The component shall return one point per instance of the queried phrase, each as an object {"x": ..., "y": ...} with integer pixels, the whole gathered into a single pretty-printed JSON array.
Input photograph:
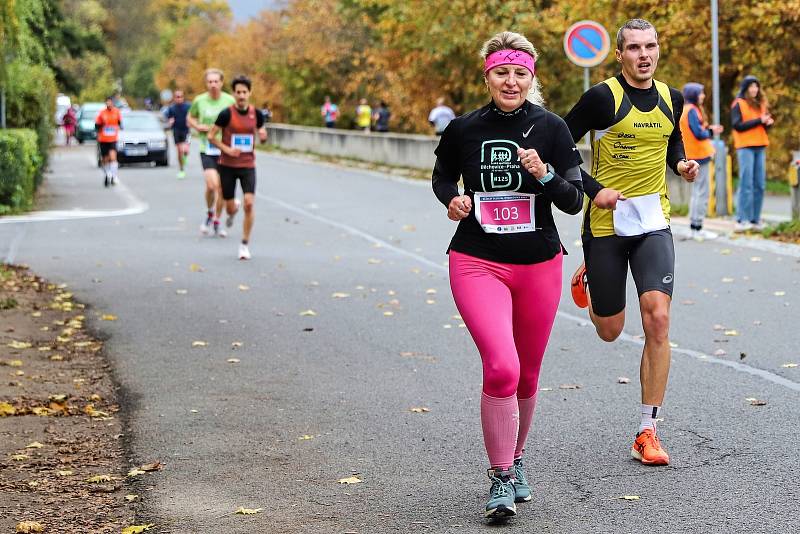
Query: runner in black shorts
[
  {"x": 176, "y": 114},
  {"x": 239, "y": 124},
  {"x": 634, "y": 120}
]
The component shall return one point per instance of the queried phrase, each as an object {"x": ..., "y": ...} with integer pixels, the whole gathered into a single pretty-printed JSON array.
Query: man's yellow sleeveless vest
[{"x": 630, "y": 155}]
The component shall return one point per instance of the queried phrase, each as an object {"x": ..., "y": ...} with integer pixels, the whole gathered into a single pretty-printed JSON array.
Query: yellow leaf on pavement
[
  {"x": 727, "y": 280},
  {"x": 430, "y": 292},
  {"x": 236, "y": 344},
  {"x": 34, "y": 445},
  {"x": 19, "y": 345},
  {"x": 137, "y": 529},
  {"x": 630, "y": 497},
  {"x": 569, "y": 386},
  {"x": 243, "y": 287},
  {"x": 247, "y": 511},
  {"x": 373, "y": 261},
  {"x": 305, "y": 437},
  {"x": 135, "y": 472},
  {"x": 388, "y": 313},
  {"x": 15, "y": 363},
  {"x": 196, "y": 268},
  {"x": 339, "y": 295},
  {"x": 181, "y": 291},
  {"x": 65, "y": 473},
  {"x": 756, "y": 402},
  {"x": 99, "y": 479},
  {"x": 152, "y": 466},
  {"x": 19, "y": 457},
  {"x": 199, "y": 344},
  {"x": 731, "y": 333},
  {"x": 421, "y": 409},
  {"x": 108, "y": 317},
  {"x": 233, "y": 360},
  {"x": 779, "y": 293},
  {"x": 41, "y": 411},
  {"x": 36, "y": 314},
  {"x": 308, "y": 313},
  {"x": 29, "y": 526},
  {"x": 623, "y": 380},
  {"x": 350, "y": 480},
  {"x": 131, "y": 497},
  {"x": 789, "y": 365}
]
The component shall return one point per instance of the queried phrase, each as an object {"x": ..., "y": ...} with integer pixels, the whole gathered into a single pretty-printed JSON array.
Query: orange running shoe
[
  {"x": 647, "y": 449},
  {"x": 579, "y": 287}
]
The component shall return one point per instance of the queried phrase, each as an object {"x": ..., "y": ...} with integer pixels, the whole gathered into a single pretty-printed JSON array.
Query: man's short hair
[
  {"x": 213, "y": 71},
  {"x": 243, "y": 80},
  {"x": 633, "y": 24}
]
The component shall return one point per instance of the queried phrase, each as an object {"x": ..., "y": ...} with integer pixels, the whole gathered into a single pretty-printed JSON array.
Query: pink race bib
[{"x": 505, "y": 212}]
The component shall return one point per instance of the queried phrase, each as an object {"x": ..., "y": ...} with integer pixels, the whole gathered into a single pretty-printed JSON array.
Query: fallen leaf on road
[
  {"x": 36, "y": 314},
  {"x": 193, "y": 411},
  {"x": 65, "y": 473},
  {"x": 34, "y": 445},
  {"x": 719, "y": 327},
  {"x": 630, "y": 497},
  {"x": 98, "y": 479},
  {"x": 388, "y": 313},
  {"x": 340, "y": 295},
  {"x": 196, "y": 268},
  {"x": 756, "y": 402},
  {"x": 725, "y": 252},
  {"x": 137, "y": 529},
  {"x": 91, "y": 412},
  {"x": 152, "y": 466},
  {"x": 720, "y": 352},
  {"x": 742, "y": 355},
  {"x": 727, "y": 280},
  {"x": 755, "y": 258},
  {"x": 757, "y": 322},
  {"x": 430, "y": 301},
  {"x": 731, "y": 333},
  {"x": 789, "y": 365},
  {"x": 623, "y": 380},
  {"x": 40, "y": 411},
  {"x": 545, "y": 389},
  {"x": 108, "y": 317},
  {"x": 373, "y": 261},
  {"x": 687, "y": 302},
  {"x": 247, "y": 511},
  {"x": 181, "y": 291},
  {"x": 673, "y": 345},
  {"x": 308, "y": 313},
  {"x": 569, "y": 386},
  {"x": 447, "y": 326},
  {"x": 131, "y": 497},
  {"x": 14, "y": 363},
  {"x": 30, "y": 526},
  {"x": 409, "y": 228},
  {"x": 305, "y": 437},
  {"x": 236, "y": 344},
  {"x": 135, "y": 472},
  {"x": 243, "y": 287},
  {"x": 199, "y": 344},
  {"x": 430, "y": 292},
  {"x": 779, "y": 293},
  {"x": 233, "y": 360},
  {"x": 421, "y": 409},
  {"x": 167, "y": 279},
  {"x": 350, "y": 480},
  {"x": 19, "y": 457},
  {"x": 19, "y": 345}
]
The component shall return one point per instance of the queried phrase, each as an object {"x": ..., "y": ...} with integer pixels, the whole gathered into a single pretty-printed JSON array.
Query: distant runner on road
[
  {"x": 239, "y": 124},
  {"x": 176, "y": 114},
  {"x": 202, "y": 114},
  {"x": 108, "y": 124},
  {"x": 635, "y": 121}
]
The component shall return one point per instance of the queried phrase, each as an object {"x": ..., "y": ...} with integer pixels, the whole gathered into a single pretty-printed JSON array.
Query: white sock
[
  {"x": 107, "y": 169},
  {"x": 114, "y": 166},
  {"x": 649, "y": 415}
]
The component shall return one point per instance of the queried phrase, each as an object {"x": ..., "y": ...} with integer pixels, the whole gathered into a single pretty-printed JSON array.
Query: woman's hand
[
  {"x": 532, "y": 162},
  {"x": 459, "y": 207}
]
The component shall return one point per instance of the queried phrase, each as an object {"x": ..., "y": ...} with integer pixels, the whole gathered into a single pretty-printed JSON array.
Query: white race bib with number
[
  {"x": 639, "y": 215},
  {"x": 504, "y": 212},
  {"x": 243, "y": 142},
  {"x": 109, "y": 130},
  {"x": 212, "y": 150}
]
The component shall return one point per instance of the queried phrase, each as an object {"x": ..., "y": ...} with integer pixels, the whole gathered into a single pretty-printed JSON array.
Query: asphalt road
[{"x": 318, "y": 398}]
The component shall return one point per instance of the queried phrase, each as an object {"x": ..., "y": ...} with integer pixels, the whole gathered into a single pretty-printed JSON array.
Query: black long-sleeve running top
[
  {"x": 595, "y": 111},
  {"x": 481, "y": 147}
]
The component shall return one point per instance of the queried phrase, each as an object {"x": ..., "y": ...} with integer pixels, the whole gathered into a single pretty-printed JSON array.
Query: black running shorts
[
  {"x": 105, "y": 148},
  {"x": 208, "y": 162},
  {"x": 228, "y": 177},
  {"x": 180, "y": 136},
  {"x": 652, "y": 262}
]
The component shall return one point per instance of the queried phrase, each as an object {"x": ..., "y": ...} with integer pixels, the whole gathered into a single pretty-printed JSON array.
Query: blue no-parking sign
[{"x": 587, "y": 43}]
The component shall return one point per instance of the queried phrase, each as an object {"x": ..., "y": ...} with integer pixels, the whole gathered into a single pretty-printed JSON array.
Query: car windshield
[
  {"x": 90, "y": 112},
  {"x": 140, "y": 122}
]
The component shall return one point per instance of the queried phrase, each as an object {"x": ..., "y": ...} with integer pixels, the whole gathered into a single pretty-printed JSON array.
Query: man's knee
[{"x": 248, "y": 203}]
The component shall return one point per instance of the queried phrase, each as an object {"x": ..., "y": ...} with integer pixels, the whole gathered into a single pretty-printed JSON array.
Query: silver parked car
[{"x": 142, "y": 139}]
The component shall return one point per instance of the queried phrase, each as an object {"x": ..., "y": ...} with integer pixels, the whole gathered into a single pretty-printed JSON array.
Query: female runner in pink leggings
[{"x": 516, "y": 159}]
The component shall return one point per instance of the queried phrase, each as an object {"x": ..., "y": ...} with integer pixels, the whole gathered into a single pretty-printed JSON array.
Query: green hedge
[{"x": 20, "y": 169}]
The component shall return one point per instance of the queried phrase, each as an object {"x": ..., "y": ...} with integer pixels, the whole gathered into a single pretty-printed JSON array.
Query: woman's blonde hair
[{"x": 515, "y": 41}]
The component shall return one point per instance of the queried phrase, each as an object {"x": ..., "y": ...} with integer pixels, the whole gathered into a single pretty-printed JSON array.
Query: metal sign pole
[
  {"x": 720, "y": 172},
  {"x": 586, "y": 83}
]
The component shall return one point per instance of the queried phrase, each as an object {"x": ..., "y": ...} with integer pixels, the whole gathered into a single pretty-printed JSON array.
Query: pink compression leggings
[{"x": 509, "y": 309}]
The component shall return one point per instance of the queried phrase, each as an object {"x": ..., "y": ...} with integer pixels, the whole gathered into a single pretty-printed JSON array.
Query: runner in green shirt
[{"x": 202, "y": 115}]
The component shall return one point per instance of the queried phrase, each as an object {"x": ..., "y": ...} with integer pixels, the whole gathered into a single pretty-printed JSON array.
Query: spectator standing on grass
[
  {"x": 381, "y": 117},
  {"x": 329, "y": 112},
  {"x": 750, "y": 119},
  {"x": 697, "y": 135},
  {"x": 440, "y": 116}
]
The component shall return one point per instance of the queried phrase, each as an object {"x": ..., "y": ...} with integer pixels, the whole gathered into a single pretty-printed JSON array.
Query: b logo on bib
[{"x": 500, "y": 170}]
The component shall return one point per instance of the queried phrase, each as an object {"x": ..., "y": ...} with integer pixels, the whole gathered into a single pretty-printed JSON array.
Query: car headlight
[{"x": 161, "y": 143}]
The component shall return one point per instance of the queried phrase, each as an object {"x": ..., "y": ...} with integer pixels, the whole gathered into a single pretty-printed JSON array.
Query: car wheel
[
  {"x": 162, "y": 163},
  {"x": 80, "y": 140}
]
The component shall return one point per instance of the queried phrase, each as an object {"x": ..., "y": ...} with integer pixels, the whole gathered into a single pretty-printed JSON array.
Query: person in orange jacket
[
  {"x": 108, "y": 124},
  {"x": 750, "y": 119},
  {"x": 697, "y": 135}
]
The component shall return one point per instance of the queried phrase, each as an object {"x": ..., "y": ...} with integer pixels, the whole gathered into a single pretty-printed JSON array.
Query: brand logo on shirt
[
  {"x": 500, "y": 167},
  {"x": 525, "y": 134}
]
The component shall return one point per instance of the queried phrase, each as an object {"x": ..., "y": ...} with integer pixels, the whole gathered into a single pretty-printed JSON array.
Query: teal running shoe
[
  {"x": 522, "y": 491},
  {"x": 501, "y": 495}
]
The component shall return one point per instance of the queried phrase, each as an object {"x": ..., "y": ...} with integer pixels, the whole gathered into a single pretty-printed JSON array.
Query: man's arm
[
  {"x": 675, "y": 152},
  {"x": 192, "y": 116},
  {"x": 261, "y": 128},
  {"x": 696, "y": 127}
]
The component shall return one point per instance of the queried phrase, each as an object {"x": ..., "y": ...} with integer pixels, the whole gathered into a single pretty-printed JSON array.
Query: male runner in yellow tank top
[{"x": 635, "y": 135}]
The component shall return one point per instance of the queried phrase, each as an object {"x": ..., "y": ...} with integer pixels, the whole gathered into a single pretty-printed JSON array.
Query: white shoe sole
[{"x": 501, "y": 511}]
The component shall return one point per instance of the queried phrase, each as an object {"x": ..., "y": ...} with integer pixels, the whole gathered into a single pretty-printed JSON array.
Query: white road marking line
[{"x": 700, "y": 356}]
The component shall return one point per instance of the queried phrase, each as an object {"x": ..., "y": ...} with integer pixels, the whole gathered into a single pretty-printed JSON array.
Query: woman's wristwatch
[{"x": 548, "y": 176}]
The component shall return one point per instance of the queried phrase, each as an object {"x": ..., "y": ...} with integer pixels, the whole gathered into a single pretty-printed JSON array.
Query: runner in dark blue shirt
[{"x": 176, "y": 114}]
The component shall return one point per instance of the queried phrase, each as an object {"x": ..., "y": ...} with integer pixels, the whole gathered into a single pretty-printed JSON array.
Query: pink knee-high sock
[
  {"x": 500, "y": 422},
  {"x": 526, "y": 407}
]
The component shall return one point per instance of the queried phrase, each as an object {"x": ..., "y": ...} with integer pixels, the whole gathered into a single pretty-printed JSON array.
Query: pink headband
[{"x": 509, "y": 57}]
